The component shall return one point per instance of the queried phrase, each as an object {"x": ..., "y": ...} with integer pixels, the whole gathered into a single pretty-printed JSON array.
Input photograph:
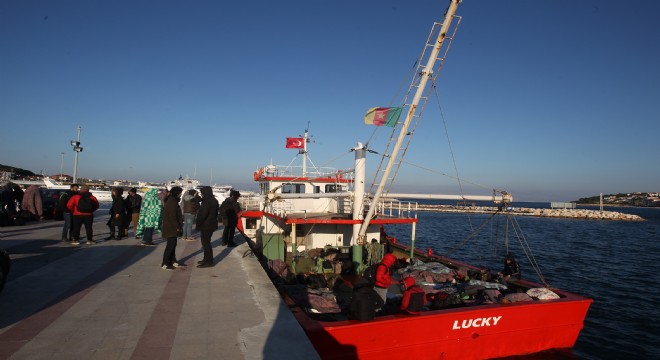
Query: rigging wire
[
  {"x": 451, "y": 150},
  {"x": 413, "y": 76},
  {"x": 438, "y": 172},
  {"x": 471, "y": 235},
  {"x": 527, "y": 249}
]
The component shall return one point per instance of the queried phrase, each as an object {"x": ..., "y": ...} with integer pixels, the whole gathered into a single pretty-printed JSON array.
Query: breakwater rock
[{"x": 553, "y": 213}]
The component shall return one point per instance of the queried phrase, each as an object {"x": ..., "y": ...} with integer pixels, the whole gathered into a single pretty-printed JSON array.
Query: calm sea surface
[{"x": 615, "y": 263}]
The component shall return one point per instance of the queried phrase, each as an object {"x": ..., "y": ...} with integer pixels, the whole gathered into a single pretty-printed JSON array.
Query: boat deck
[{"x": 112, "y": 300}]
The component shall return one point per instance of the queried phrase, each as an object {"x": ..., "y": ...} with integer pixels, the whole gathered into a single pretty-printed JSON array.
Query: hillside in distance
[{"x": 646, "y": 199}]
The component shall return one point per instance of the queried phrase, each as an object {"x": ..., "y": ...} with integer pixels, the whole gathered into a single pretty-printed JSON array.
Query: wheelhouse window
[
  {"x": 332, "y": 188},
  {"x": 293, "y": 188}
]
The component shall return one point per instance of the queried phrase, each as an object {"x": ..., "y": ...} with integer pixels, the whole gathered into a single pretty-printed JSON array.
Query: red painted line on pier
[
  {"x": 158, "y": 336},
  {"x": 25, "y": 330}
]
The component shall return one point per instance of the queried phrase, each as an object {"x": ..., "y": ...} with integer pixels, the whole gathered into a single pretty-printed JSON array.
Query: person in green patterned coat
[{"x": 150, "y": 217}]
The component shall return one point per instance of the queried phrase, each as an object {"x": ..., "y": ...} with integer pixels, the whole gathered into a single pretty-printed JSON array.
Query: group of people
[
  {"x": 159, "y": 211},
  {"x": 204, "y": 212},
  {"x": 370, "y": 297},
  {"x": 18, "y": 206},
  {"x": 123, "y": 213}
]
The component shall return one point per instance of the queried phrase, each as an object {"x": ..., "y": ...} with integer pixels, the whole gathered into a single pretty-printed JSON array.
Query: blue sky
[{"x": 549, "y": 100}]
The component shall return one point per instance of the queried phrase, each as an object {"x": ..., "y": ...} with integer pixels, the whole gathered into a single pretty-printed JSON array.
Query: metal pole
[
  {"x": 75, "y": 161},
  {"x": 61, "y": 164},
  {"x": 304, "y": 166}
]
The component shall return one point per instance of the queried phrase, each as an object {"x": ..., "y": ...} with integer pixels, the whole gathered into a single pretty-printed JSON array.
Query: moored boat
[
  {"x": 307, "y": 214},
  {"x": 100, "y": 194}
]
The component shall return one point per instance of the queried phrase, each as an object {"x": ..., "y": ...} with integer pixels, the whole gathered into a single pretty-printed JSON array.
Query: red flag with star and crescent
[{"x": 295, "y": 143}]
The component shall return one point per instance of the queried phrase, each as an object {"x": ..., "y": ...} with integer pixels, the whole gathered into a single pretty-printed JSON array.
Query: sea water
[{"x": 616, "y": 263}]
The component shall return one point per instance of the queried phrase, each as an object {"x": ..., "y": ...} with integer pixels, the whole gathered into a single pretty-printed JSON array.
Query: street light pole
[
  {"x": 76, "y": 148},
  {"x": 61, "y": 164}
]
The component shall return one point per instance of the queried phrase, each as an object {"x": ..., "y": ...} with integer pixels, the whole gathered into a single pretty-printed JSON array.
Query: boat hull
[
  {"x": 463, "y": 333},
  {"x": 469, "y": 332}
]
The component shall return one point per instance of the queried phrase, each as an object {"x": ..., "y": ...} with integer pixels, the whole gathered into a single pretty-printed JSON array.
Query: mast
[
  {"x": 358, "y": 189},
  {"x": 426, "y": 74},
  {"x": 304, "y": 154}
]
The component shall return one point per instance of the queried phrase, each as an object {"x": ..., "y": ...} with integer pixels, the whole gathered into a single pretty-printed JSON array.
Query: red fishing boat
[{"x": 303, "y": 210}]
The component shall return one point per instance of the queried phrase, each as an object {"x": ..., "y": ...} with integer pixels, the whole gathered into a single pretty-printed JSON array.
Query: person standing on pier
[
  {"x": 172, "y": 227},
  {"x": 150, "y": 217},
  {"x": 207, "y": 223},
  {"x": 67, "y": 215},
  {"x": 229, "y": 211},
  {"x": 134, "y": 200},
  {"x": 190, "y": 206},
  {"x": 83, "y": 205},
  {"x": 117, "y": 214},
  {"x": 32, "y": 202}
]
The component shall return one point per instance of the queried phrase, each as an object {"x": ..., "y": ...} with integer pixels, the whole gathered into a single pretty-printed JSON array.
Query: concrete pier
[{"x": 111, "y": 300}]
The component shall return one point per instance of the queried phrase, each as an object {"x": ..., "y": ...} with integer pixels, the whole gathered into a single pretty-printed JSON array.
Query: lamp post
[
  {"x": 61, "y": 164},
  {"x": 76, "y": 148}
]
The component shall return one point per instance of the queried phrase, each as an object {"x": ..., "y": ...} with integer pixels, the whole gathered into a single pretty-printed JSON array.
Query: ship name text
[{"x": 478, "y": 322}]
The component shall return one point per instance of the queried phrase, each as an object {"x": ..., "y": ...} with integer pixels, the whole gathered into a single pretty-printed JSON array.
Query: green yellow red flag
[{"x": 380, "y": 116}]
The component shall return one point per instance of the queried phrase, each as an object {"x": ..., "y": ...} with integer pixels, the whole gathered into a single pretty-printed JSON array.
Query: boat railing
[
  {"x": 280, "y": 208},
  {"x": 297, "y": 171},
  {"x": 397, "y": 208},
  {"x": 251, "y": 202}
]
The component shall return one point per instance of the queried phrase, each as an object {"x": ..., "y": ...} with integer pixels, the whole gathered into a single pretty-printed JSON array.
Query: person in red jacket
[
  {"x": 413, "y": 296},
  {"x": 383, "y": 276},
  {"x": 82, "y": 205}
]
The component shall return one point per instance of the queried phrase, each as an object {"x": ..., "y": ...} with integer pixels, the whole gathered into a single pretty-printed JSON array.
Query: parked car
[
  {"x": 5, "y": 264},
  {"x": 49, "y": 200}
]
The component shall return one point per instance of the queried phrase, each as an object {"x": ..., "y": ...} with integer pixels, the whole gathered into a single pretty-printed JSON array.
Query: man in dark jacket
[
  {"x": 134, "y": 201},
  {"x": 229, "y": 211},
  {"x": 172, "y": 227},
  {"x": 207, "y": 223},
  {"x": 67, "y": 215},
  {"x": 511, "y": 269},
  {"x": 117, "y": 215},
  {"x": 365, "y": 301}
]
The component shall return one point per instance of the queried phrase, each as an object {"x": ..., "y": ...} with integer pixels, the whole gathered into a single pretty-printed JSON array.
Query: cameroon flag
[{"x": 380, "y": 116}]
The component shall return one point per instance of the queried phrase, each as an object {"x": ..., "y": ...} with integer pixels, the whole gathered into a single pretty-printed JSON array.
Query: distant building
[
  {"x": 62, "y": 178},
  {"x": 562, "y": 205}
]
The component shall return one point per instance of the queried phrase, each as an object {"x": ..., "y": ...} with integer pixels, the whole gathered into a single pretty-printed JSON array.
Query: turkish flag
[{"x": 295, "y": 143}]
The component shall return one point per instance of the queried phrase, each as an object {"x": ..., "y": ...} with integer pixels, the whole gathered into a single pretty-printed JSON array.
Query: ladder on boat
[
  {"x": 415, "y": 83},
  {"x": 420, "y": 80}
]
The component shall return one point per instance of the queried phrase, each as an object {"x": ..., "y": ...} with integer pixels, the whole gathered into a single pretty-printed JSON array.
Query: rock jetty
[{"x": 521, "y": 211}]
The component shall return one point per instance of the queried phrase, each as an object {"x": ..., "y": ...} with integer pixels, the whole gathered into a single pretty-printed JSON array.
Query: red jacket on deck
[
  {"x": 383, "y": 276},
  {"x": 413, "y": 297},
  {"x": 72, "y": 205}
]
